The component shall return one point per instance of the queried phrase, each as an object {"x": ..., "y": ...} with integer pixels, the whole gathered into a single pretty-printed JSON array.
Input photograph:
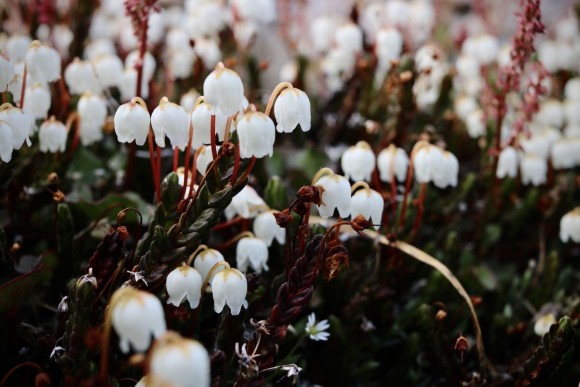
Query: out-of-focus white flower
[
  {"x": 208, "y": 50},
  {"x": 266, "y": 228},
  {"x": 322, "y": 32},
  {"x": 246, "y": 203},
  {"x": 262, "y": 11},
  {"x": 229, "y": 287},
  {"x": 317, "y": 330},
  {"x": 447, "y": 174},
  {"x": 132, "y": 122},
  {"x": 349, "y": 37},
  {"x": 358, "y": 162},
  {"x": 99, "y": 47},
  {"x": 80, "y": 77},
  {"x": 181, "y": 61},
  {"x": 204, "y": 158},
  {"x": 175, "y": 361},
  {"x": 6, "y": 72},
  {"x": 464, "y": 105},
  {"x": 368, "y": 203},
  {"x": 149, "y": 64},
  {"x": 543, "y": 324},
  {"x": 62, "y": 37},
  {"x": 128, "y": 85},
  {"x": 474, "y": 123},
  {"x": 421, "y": 21},
  {"x": 336, "y": 195},
  {"x": 533, "y": 169},
  {"x": 538, "y": 144},
  {"x": 184, "y": 283},
  {"x": 252, "y": 252},
  {"x": 201, "y": 121},
  {"x": 388, "y": 47},
  {"x": 206, "y": 260},
  {"x": 169, "y": 119},
  {"x": 256, "y": 135},
  {"x": 428, "y": 162},
  {"x": 572, "y": 89},
  {"x": 109, "y": 70},
  {"x": 570, "y": 226},
  {"x": 19, "y": 122},
  {"x": 37, "y": 101},
  {"x": 337, "y": 66},
  {"x": 507, "y": 164},
  {"x": 572, "y": 112},
  {"x": 92, "y": 110},
  {"x": 292, "y": 108},
  {"x": 6, "y": 142},
  {"x": 565, "y": 153},
  {"x": 392, "y": 161},
  {"x": 551, "y": 113},
  {"x": 42, "y": 63},
  {"x": 484, "y": 48},
  {"x": 372, "y": 19},
  {"x": 136, "y": 315},
  {"x": 188, "y": 100},
  {"x": 52, "y": 136},
  {"x": 397, "y": 13},
  {"x": 223, "y": 89},
  {"x": 15, "y": 87},
  {"x": 17, "y": 46}
]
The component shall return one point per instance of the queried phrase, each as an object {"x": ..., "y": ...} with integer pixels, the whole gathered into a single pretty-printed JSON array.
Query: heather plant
[{"x": 164, "y": 222}]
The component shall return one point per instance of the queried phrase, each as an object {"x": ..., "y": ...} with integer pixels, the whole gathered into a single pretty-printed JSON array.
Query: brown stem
[
  {"x": 187, "y": 156},
  {"x": 16, "y": 368},
  {"x": 212, "y": 133},
  {"x": 23, "y": 89},
  {"x": 175, "y": 158}
]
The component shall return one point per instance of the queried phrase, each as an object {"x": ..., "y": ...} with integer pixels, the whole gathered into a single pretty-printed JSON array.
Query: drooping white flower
[
  {"x": 206, "y": 260},
  {"x": 349, "y": 37},
  {"x": 37, "y": 100},
  {"x": 246, "y": 203},
  {"x": 572, "y": 89},
  {"x": 52, "y": 136},
  {"x": 208, "y": 50},
  {"x": 428, "y": 162},
  {"x": 136, "y": 315},
  {"x": 188, "y": 100},
  {"x": 368, "y": 203},
  {"x": 551, "y": 113},
  {"x": 175, "y": 361},
  {"x": 256, "y": 135},
  {"x": 149, "y": 64},
  {"x": 204, "y": 158},
  {"x": 201, "y": 121},
  {"x": 565, "y": 153},
  {"x": 80, "y": 77},
  {"x": 336, "y": 195},
  {"x": 464, "y": 105},
  {"x": 392, "y": 161},
  {"x": 570, "y": 226},
  {"x": 6, "y": 146},
  {"x": 181, "y": 61},
  {"x": 62, "y": 37},
  {"x": 17, "y": 46},
  {"x": 292, "y": 108},
  {"x": 397, "y": 13},
  {"x": 572, "y": 111},
  {"x": 507, "y": 163},
  {"x": 337, "y": 66},
  {"x": 169, "y": 119},
  {"x": 184, "y": 283},
  {"x": 317, "y": 330},
  {"x": 388, "y": 48},
  {"x": 6, "y": 72},
  {"x": 358, "y": 162},
  {"x": 128, "y": 85},
  {"x": 42, "y": 63},
  {"x": 109, "y": 70},
  {"x": 223, "y": 89},
  {"x": 322, "y": 32},
  {"x": 252, "y": 252},
  {"x": 15, "y": 87},
  {"x": 371, "y": 20},
  {"x": 229, "y": 287},
  {"x": 474, "y": 123},
  {"x": 421, "y": 21},
  {"x": 543, "y": 324},
  {"x": 92, "y": 110},
  {"x": 484, "y": 48},
  {"x": 447, "y": 174},
  {"x": 132, "y": 122},
  {"x": 533, "y": 169},
  {"x": 266, "y": 228},
  {"x": 19, "y": 122}
]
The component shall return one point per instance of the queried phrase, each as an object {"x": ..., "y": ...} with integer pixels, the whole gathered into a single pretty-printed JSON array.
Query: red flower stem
[
  {"x": 17, "y": 367},
  {"x": 250, "y": 167},
  {"x": 153, "y": 163},
  {"x": 194, "y": 172},
  {"x": 186, "y": 163},
  {"x": 23, "y": 89},
  {"x": 158, "y": 173},
  {"x": 212, "y": 134},
  {"x": 232, "y": 222},
  {"x": 175, "y": 158}
]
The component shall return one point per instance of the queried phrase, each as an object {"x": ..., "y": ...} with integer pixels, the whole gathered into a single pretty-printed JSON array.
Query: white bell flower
[
  {"x": 176, "y": 38},
  {"x": 368, "y": 203},
  {"x": 358, "y": 162},
  {"x": 204, "y": 158},
  {"x": 292, "y": 108},
  {"x": 99, "y": 47},
  {"x": 252, "y": 252},
  {"x": 169, "y": 119},
  {"x": 132, "y": 122},
  {"x": 266, "y": 228},
  {"x": 474, "y": 123},
  {"x": 464, "y": 105},
  {"x": 136, "y": 315},
  {"x": 572, "y": 112},
  {"x": 538, "y": 144},
  {"x": 322, "y": 31},
  {"x": 349, "y": 37},
  {"x": 392, "y": 161},
  {"x": 184, "y": 283},
  {"x": 336, "y": 195},
  {"x": 201, "y": 121},
  {"x": 6, "y": 146},
  {"x": 570, "y": 226},
  {"x": 572, "y": 89},
  {"x": 42, "y": 63},
  {"x": 37, "y": 101},
  {"x": 206, "y": 260},
  {"x": 188, "y": 100},
  {"x": 17, "y": 46},
  {"x": 128, "y": 85},
  {"x": 507, "y": 163},
  {"x": 208, "y": 50},
  {"x": 337, "y": 66},
  {"x": 19, "y": 122},
  {"x": 62, "y": 37},
  {"x": 246, "y": 203},
  {"x": 421, "y": 21},
  {"x": 551, "y": 113},
  {"x": 229, "y": 287},
  {"x": 52, "y": 136},
  {"x": 388, "y": 48},
  {"x": 447, "y": 174},
  {"x": 80, "y": 77},
  {"x": 92, "y": 110},
  {"x": 6, "y": 72},
  {"x": 534, "y": 169},
  {"x": 175, "y": 361},
  {"x": 149, "y": 64},
  {"x": 427, "y": 162},
  {"x": 256, "y": 135},
  {"x": 565, "y": 153},
  {"x": 15, "y": 87},
  {"x": 181, "y": 62},
  {"x": 109, "y": 70},
  {"x": 224, "y": 90},
  {"x": 484, "y": 48}
]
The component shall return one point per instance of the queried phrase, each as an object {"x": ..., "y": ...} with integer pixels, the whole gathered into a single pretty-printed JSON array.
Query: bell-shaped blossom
[
  {"x": 181, "y": 62},
  {"x": 6, "y": 72},
  {"x": 175, "y": 361},
  {"x": 108, "y": 69},
  {"x": 551, "y": 114},
  {"x": 252, "y": 252},
  {"x": 368, "y": 203},
  {"x": 37, "y": 100},
  {"x": 6, "y": 146},
  {"x": 132, "y": 122},
  {"x": 42, "y": 63},
  {"x": 572, "y": 112},
  {"x": 336, "y": 195},
  {"x": 246, "y": 203},
  {"x": 371, "y": 20},
  {"x": 533, "y": 169},
  {"x": 15, "y": 87},
  {"x": 169, "y": 119},
  {"x": 19, "y": 122},
  {"x": 538, "y": 144},
  {"x": 292, "y": 108},
  {"x": 149, "y": 63},
  {"x": 201, "y": 121},
  {"x": 92, "y": 110},
  {"x": 565, "y": 153},
  {"x": 464, "y": 105},
  {"x": 52, "y": 136},
  {"x": 206, "y": 260},
  {"x": 358, "y": 162},
  {"x": 392, "y": 161},
  {"x": 570, "y": 226},
  {"x": 204, "y": 158},
  {"x": 136, "y": 316},
  {"x": 337, "y": 66},
  {"x": 128, "y": 85},
  {"x": 572, "y": 89},
  {"x": 388, "y": 48},
  {"x": 62, "y": 37},
  {"x": 474, "y": 123},
  {"x": 17, "y": 46},
  {"x": 208, "y": 50},
  {"x": 184, "y": 283},
  {"x": 349, "y": 37},
  {"x": 507, "y": 163},
  {"x": 256, "y": 135},
  {"x": 80, "y": 77},
  {"x": 428, "y": 162},
  {"x": 229, "y": 287},
  {"x": 266, "y": 228},
  {"x": 223, "y": 89},
  {"x": 447, "y": 174}
]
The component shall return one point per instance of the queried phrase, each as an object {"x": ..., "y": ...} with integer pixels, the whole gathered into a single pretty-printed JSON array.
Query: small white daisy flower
[{"x": 316, "y": 330}]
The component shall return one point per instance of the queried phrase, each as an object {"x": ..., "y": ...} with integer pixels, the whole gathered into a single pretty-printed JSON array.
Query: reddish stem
[
  {"x": 175, "y": 158},
  {"x": 153, "y": 163},
  {"x": 23, "y": 89},
  {"x": 15, "y": 368},
  {"x": 212, "y": 133},
  {"x": 186, "y": 163},
  {"x": 238, "y": 219}
]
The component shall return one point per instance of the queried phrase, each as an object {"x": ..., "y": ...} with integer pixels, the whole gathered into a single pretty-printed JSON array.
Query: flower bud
[
  {"x": 252, "y": 252},
  {"x": 292, "y": 108},
  {"x": 132, "y": 122},
  {"x": 169, "y": 119},
  {"x": 229, "y": 287},
  {"x": 223, "y": 89},
  {"x": 266, "y": 228},
  {"x": 256, "y": 135},
  {"x": 42, "y": 63},
  {"x": 358, "y": 162},
  {"x": 184, "y": 283},
  {"x": 52, "y": 136}
]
